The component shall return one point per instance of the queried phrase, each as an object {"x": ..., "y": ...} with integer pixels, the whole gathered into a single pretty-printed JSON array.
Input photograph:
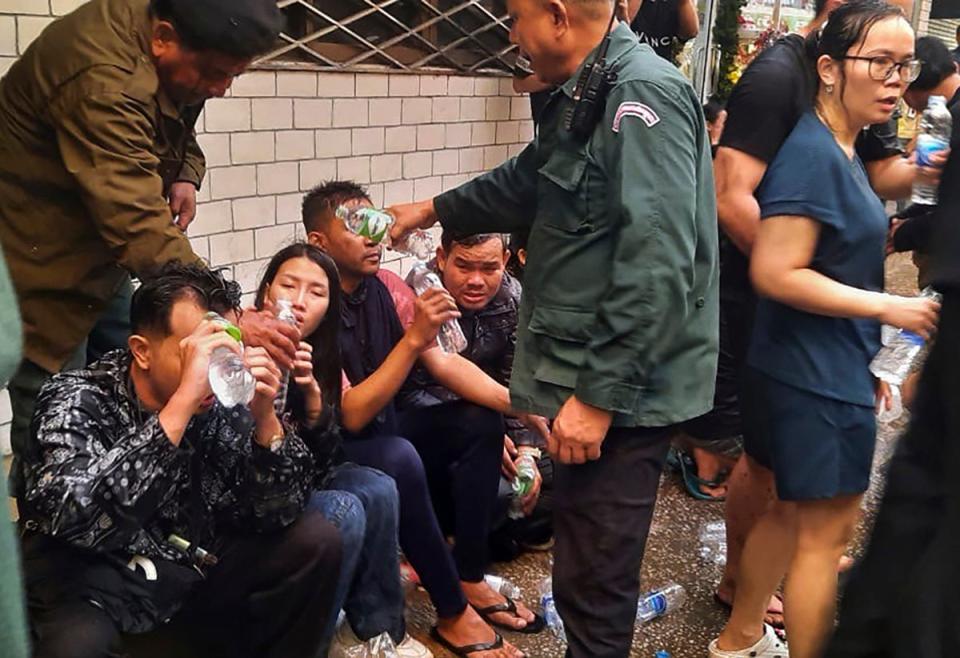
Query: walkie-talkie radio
[{"x": 590, "y": 94}]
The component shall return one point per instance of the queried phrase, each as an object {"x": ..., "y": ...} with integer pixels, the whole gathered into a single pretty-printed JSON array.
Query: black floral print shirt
[{"x": 104, "y": 476}]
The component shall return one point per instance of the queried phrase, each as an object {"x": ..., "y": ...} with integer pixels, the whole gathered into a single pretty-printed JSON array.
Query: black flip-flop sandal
[
  {"x": 510, "y": 606},
  {"x": 467, "y": 649}
]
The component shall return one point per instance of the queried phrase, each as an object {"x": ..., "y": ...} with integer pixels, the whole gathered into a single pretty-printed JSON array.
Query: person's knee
[
  {"x": 346, "y": 512},
  {"x": 315, "y": 539},
  {"x": 378, "y": 494},
  {"x": 403, "y": 463}
]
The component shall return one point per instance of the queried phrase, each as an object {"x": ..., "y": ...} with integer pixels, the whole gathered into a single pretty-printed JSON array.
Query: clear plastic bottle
[
  {"x": 503, "y": 586},
  {"x": 230, "y": 379},
  {"x": 419, "y": 244},
  {"x": 549, "y": 609},
  {"x": 896, "y": 359},
  {"x": 660, "y": 602},
  {"x": 451, "y": 337},
  {"x": 284, "y": 314},
  {"x": 936, "y": 128},
  {"x": 523, "y": 482},
  {"x": 370, "y": 223},
  {"x": 713, "y": 543}
]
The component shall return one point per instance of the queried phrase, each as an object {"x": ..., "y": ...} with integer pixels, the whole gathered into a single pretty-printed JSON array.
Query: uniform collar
[
  {"x": 144, "y": 32},
  {"x": 622, "y": 40}
]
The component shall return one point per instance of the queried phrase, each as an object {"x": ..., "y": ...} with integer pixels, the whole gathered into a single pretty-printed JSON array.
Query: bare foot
[
  {"x": 481, "y": 595},
  {"x": 469, "y": 628},
  {"x": 774, "y": 615}
]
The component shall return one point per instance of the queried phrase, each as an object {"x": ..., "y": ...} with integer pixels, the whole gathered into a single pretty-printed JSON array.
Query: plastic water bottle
[
  {"x": 286, "y": 315},
  {"x": 713, "y": 543},
  {"x": 895, "y": 360},
  {"x": 936, "y": 128},
  {"x": 370, "y": 223},
  {"x": 503, "y": 586},
  {"x": 230, "y": 379},
  {"x": 549, "y": 610},
  {"x": 374, "y": 224},
  {"x": 523, "y": 482},
  {"x": 896, "y": 407},
  {"x": 451, "y": 338},
  {"x": 660, "y": 602}
]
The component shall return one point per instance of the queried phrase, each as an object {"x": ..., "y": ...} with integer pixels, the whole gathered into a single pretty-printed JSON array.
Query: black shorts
[{"x": 817, "y": 447}]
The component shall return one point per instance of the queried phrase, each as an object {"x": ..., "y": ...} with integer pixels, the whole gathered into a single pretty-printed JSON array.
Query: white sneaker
[
  {"x": 768, "y": 646},
  {"x": 411, "y": 648}
]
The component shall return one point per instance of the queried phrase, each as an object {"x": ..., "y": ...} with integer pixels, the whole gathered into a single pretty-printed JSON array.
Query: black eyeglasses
[{"x": 882, "y": 67}]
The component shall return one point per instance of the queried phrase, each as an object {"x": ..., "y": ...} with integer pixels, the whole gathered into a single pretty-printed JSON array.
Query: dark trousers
[
  {"x": 902, "y": 598},
  {"x": 457, "y": 459},
  {"x": 268, "y": 596},
  {"x": 602, "y": 514}
]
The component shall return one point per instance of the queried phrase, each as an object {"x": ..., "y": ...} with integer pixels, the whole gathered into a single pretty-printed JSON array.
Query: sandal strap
[
  {"x": 507, "y": 606},
  {"x": 467, "y": 649}
]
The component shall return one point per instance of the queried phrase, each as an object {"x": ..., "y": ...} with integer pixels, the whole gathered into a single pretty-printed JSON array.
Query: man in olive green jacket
[
  {"x": 98, "y": 159},
  {"x": 618, "y": 323}
]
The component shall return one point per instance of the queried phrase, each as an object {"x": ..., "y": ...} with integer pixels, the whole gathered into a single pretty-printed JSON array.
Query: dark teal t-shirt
[{"x": 811, "y": 176}]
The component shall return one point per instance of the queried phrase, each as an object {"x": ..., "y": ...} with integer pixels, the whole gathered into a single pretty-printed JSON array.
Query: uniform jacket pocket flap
[
  {"x": 561, "y": 323},
  {"x": 565, "y": 169}
]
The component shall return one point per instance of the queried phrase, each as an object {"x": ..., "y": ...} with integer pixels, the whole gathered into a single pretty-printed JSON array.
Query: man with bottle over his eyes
[{"x": 618, "y": 322}]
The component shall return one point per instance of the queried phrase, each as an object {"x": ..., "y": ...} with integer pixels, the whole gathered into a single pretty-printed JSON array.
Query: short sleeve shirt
[
  {"x": 657, "y": 24},
  {"x": 811, "y": 176},
  {"x": 771, "y": 96}
]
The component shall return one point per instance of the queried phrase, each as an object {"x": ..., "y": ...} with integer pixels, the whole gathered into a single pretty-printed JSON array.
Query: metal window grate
[{"x": 468, "y": 36}]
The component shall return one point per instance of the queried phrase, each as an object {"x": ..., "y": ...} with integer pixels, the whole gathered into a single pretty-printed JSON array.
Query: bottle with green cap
[{"x": 230, "y": 379}]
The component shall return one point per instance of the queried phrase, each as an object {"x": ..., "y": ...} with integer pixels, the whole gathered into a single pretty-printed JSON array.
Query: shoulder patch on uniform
[{"x": 634, "y": 109}]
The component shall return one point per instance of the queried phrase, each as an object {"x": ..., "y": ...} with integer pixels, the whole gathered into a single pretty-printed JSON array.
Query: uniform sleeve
[
  {"x": 194, "y": 163},
  {"x": 87, "y": 493},
  {"x": 760, "y": 113},
  {"x": 501, "y": 201},
  {"x": 655, "y": 154},
  {"x": 106, "y": 142}
]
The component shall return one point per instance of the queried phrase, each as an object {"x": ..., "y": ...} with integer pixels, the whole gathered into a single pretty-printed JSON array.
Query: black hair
[
  {"x": 518, "y": 241},
  {"x": 322, "y": 201},
  {"x": 250, "y": 30},
  {"x": 154, "y": 300},
  {"x": 958, "y": 31},
  {"x": 819, "y": 6},
  {"x": 938, "y": 63},
  {"x": 325, "y": 339},
  {"x": 712, "y": 109},
  {"x": 849, "y": 24},
  {"x": 449, "y": 239}
]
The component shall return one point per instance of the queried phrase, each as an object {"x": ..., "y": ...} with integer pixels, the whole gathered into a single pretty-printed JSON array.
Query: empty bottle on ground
[
  {"x": 549, "y": 609},
  {"x": 660, "y": 602},
  {"x": 503, "y": 586},
  {"x": 230, "y": 379},
  {"x": 936, "y": 127},
  {"x": 896, "y": 359}
]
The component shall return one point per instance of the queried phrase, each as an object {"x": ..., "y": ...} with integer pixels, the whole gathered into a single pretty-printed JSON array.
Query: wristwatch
[{"x": 275, "y": 443}]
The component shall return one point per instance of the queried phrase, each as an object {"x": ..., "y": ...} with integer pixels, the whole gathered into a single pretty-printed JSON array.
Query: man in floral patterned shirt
[{"x": 147, "y": 498}]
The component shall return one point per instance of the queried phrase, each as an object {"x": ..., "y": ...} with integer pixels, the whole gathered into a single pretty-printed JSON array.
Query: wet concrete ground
[{"x": 672, "y": 555}]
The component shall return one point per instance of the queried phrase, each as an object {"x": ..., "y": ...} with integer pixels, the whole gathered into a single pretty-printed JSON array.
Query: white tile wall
[{"x": 279, "y": 133}]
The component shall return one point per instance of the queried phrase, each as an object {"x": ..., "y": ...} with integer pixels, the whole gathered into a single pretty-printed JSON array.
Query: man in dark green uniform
[
  {"x": 618, "y": 323},
  {"x": 98, "y": 160}
]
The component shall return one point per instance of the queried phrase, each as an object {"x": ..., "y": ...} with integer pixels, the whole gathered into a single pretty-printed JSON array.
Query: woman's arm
[{"x": 780, "y": 270}]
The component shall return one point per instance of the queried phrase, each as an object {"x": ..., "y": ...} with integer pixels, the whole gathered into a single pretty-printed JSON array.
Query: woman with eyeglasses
[{"x": 817, "y": 265}]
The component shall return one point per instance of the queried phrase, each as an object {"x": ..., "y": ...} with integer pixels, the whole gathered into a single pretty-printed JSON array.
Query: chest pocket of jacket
[{"x": 562, "y": 193}]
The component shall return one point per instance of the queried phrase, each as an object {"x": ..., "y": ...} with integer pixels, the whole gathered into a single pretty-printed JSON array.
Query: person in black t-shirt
[
  {"x": 663, "y": 23},
  {"x": 763, "y": 109}
]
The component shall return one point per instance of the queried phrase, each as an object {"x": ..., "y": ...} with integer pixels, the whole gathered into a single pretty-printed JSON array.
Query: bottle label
[
  {"x": 657, "y": 603},
  {"x": 911, "y": 338},
  {"x": 927, "y": 147}
]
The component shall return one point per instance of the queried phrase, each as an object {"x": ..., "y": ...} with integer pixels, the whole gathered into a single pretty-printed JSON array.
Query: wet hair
[
  {"x": 449, "y": 240},
  {"x": 153, "y": 301},
  {"x": 518, "y": 241},
  {"x": 712, "y": 109},
  {"x": 849, "y": 24},
  {"x": 238, "y": 28},
  {"x": 938, "y": 64},
  {"x": 325, "y": 339},
  {"x": 321, "y": 202}
]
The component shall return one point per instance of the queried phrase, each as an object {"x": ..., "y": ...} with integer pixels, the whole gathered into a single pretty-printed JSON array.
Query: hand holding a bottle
[
  {"x": 433, "y": 308},
  {"x": 916, "y": 314},
  {"x": 409, "y": 217}
]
